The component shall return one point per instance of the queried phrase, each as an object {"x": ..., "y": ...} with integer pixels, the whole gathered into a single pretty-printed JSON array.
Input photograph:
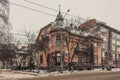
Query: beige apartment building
[{"x": 110, "y": 43}]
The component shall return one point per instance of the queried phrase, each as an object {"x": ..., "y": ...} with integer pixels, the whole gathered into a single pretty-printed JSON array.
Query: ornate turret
[{"x": 59, "y": 19}]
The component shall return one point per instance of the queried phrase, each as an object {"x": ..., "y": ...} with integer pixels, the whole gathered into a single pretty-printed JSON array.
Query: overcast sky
[{"x": 107, "y": 11}]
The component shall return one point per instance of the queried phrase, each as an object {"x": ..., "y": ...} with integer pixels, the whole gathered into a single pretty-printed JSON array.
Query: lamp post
[
  {"x": 109, "y": 48},
  {"x": 116, "y": 52},
  {"x": 61, "y": 56},
  {"x": 66, "y": 13},
  {"x": 61, "y": 59}
]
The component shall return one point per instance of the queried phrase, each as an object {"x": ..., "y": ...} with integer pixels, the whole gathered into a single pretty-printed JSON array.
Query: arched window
[{"x": 58, "y": 40}]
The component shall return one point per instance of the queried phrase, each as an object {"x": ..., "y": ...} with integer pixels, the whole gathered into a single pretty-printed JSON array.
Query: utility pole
[
  {"x": 116, "y": 51},
  {"x": 61, "y": 45},
  {"x": 61, "y": 56},
  {"x": 109, "y": 47}
]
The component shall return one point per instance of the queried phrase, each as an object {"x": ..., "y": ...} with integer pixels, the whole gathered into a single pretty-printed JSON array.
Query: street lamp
[
  {"x": 66, "y": 13},
  {"x": 61, "y": 57}
]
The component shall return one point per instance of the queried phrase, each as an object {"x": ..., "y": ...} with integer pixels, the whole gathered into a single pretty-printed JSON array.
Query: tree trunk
[
  {"x": 30, "y": 63},
  {"x": 47, "y": 59},
  {"x": 11, "y": 62},
  {"x": 72, "y": 57},
  {"x": 3, "y": 62}
]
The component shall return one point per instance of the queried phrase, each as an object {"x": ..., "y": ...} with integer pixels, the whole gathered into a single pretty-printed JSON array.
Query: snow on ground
[{"x": 13, "y": 75}]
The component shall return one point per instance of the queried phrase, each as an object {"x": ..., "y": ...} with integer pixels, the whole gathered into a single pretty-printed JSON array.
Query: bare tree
[
  {"x": 73, "y": 24},
  {"x": 30, "y": 39},
  {"x": 6, "y": 49},
  {"x": 42, "y": 45},
  {"x": 18, "y": 58},
  {"x": 7, "y": 53}
]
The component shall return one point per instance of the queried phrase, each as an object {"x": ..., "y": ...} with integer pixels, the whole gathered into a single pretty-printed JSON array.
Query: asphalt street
[{"x": 108, "y": 75}]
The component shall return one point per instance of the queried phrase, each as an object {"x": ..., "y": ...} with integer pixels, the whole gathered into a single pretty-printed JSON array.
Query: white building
[{"x": 4, "y": 21}]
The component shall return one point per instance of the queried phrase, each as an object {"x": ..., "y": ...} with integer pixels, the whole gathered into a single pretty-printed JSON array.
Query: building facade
[
  {"x": 66, "y": 45},
  {"x": 4, "y": 20},
  {"x": 110, "y": 43}
]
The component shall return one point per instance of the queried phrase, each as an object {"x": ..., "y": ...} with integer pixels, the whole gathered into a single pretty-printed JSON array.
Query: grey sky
[{"x": 103, "y": 10}]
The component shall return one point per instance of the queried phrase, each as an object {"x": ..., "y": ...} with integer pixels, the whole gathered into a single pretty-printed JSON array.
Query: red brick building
[{"x": 70, "y": 43}]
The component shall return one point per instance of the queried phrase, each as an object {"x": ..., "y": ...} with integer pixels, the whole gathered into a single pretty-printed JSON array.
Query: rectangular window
[
  {"x": 66, "y": 57},
  {"x": 95, "y": 59},
  {"x": 95, "y": 46},
  {"x": 81, "y": 58},
  {"x": 65, "y": 41},
  {"x": 58, "y": 57},
  {"x": 41, "y": 59}
]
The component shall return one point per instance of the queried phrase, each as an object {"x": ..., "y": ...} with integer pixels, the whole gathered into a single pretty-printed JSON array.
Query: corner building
[{"x": 70, "y": 43}]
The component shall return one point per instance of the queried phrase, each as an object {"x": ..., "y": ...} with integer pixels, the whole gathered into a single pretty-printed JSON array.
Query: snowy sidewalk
[{"x": 13, "y": 75}]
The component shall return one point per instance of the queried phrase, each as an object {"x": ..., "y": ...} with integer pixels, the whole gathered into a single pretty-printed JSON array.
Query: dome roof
[
  {"x": 59, "y": 19},
  {"x": 59, "y": 16}
]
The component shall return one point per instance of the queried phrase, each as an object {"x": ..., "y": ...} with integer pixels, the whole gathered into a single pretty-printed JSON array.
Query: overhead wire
[
  {"x": 33, "y": 9},
  {"x": 43, "y": 11},
  {"x": 41, "y": 5},
  {"x": 19, "y": 34},
  {"x": 49, "y": 8}
]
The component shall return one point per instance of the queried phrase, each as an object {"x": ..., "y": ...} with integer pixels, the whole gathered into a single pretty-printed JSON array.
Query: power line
[
  {"x": 48, "y": 8},
  {"x": 41, "y": 5},
  {"x": 33, "y": 9},
  {"x": 37, "y": 10},
  {"x": 19, "y": 34}
]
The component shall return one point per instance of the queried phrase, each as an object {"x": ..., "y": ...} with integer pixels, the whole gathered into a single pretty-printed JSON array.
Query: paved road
[{"x": 82, "y": 76}]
